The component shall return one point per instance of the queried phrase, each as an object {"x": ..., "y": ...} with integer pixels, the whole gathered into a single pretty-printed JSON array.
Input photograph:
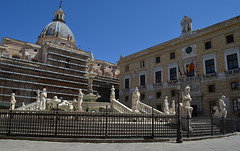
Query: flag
[
  {"x": 190, "y": 67},
  {"x": 179, "y": 70}
]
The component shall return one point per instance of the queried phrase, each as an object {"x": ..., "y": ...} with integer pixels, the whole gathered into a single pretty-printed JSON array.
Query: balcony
[
  {"x": 172, "y": 82},
  {"x": 232, "y": 72},
  {"x": 189, "y": 79},
  {"x": 126, "y": 90},
  {"x": 157, "y": 85},
  {"x": 210, "y": 75}
]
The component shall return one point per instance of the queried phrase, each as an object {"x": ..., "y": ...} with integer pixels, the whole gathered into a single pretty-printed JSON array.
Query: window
[
  {"x": 159, "y": 107},
  {"x": 229, "y": 39},
  {"x": 126, "y": 68},
  {"x": 127, "y": 83},
  {"x": 232, "y": 61},
  {"x": 173, "y": 74},
  {"x": 142, "y": 80},
  {"x": 236, "y": 105},
  {"x": 211, "y": 105},
  {"x": 35, "y": 50},
  {"x": 158, "y": 78},
  {"x": 208, "y": 45},
  {"x": 67, "y": 65},
  {"x": 191, "y": 73},
  {"x": 172, "y": 55},
  {"x": 234, "y": 85},
  {"x": 211, "y": 88},
  {"x": 142, "y": 64},
  {"x": 173, "y": 92},
  {"x": 209, "y": 66},
  {"x": 142, "y": 96},
  {"x": 158, "y": 95},
  {"x": 126, "y": 98},
  {"x": 157, "y": 59}
]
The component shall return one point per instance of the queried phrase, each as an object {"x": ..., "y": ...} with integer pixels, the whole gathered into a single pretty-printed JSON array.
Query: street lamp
[{"x": 179, "y": 130}]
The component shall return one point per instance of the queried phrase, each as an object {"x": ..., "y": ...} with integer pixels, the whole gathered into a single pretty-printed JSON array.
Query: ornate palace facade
[{"x": 207, "y": 60}]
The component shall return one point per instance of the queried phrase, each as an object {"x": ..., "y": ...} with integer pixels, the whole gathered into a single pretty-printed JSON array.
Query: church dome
[{"x": 57, "y": 31}]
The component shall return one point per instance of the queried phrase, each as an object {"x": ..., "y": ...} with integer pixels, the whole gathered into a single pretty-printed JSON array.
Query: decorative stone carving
[
  {"x": 65, "y": 106},
  {"x": 43, "y": 97},
  {"x": 135, "y": 100},
  {"x": 186, "y": 109},
  {"x": 166, "y": 105},
  {"x": 80, "y": 100},
  {"x": 221, "y": 110},
  {"x": 12, "y": 101},
  {"x": 172, "y": 109}
]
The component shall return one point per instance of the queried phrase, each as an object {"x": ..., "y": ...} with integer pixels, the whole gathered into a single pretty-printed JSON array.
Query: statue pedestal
[{"x": 90, "y": 97}]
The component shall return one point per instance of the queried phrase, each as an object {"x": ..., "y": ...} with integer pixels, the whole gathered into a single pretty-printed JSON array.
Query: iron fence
[{"x": 96, "y": 125}]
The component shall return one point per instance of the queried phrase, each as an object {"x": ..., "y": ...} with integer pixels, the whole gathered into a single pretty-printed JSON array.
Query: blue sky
[{"x": 113, "y": 27}]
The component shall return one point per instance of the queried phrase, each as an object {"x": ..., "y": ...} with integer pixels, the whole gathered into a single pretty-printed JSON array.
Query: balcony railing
[
  {"x": 193, "y": 78},
  {"x": 172, "y": 82},
  {"x": 231, "y": 72},
  {"x": 210, "y": 75},
  {"x": 157, "y": 85}
]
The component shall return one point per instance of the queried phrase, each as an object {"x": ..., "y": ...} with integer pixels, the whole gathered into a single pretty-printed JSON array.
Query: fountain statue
[
  {"x": 43, "y": 97},
  {"x": 221, "y": 110},
  {"x": 90, "y": 97},
  {"x": 135, "y": 100},
  {"x": 166, "y": 105}
]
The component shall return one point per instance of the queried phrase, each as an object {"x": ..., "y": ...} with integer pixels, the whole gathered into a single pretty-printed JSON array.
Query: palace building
[
  {"x": 207, "y": 60},
  {"x": 54, "y": 63}
]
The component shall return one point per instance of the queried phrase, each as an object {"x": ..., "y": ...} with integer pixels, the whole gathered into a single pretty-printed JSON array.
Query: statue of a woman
[
  {"x": 166, "y": 105},
  {"x": 186, "y": 99},
  {"x": 80, "y": 100},
  {"x": 112, "y": 96},
  {"x": 135, "y": 100}
]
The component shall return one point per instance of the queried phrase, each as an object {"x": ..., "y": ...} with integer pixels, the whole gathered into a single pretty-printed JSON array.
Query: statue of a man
[
  {"x": 112, "y": 96},
  {"x": 43, "y": 97},
  {"x": 12, "y": 101},
  {"x": 80, "y": 100},
  {"x": 135, "y": 100},
  {"x": 166, "y": 105},
  {"x": 222, "y": 107},
  {"x": 186, "y": 100}
]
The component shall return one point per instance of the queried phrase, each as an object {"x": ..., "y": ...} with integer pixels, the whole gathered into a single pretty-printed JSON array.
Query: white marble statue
[
  {"x": 91, "y": 58},
  {"x": 135, "y": 100},
  {"x": 166, "y": 105},
  {"x": 222, "y": 107},
  {"x": 43, "y": 97},
  {"x": 23, "y": 104},
  {"x": 38, "y": 95},
  {"x": 186, "y": 109},
  {"x": 112, "y": 96},
  {"x": 65, "y": 106},
  {"x": 12, "y": 101},
  {"x": 172, "y": 109},
  {"x": 80, "y": 100}
]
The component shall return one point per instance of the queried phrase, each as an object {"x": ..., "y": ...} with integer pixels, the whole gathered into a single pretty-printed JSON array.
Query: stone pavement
[{"x": 231, "y": 143}]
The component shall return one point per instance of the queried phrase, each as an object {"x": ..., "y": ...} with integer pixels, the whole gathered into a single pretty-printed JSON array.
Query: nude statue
[
  {"x": 43, "y": 97},
  {"x": 186, "y": 100},
  {"x": 112, "y": 96},
  {"x": 222, "y": 107},
  {"x": 172, "y": 109},
  {"x": 166, "y": 105},
  {"x": 135, "y": 100},
  {"x": 80, "y": 100},
  {"x": 12, "y": 102}
]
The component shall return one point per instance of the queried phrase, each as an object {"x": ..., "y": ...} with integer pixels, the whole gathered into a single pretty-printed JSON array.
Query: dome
[{"x": 58, "y": 29}]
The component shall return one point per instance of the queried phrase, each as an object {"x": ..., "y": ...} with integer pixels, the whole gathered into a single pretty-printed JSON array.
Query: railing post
[
  {"x": 10, "y": 122},
  {"x": 56, "y": 122},
  {"x": 223, "y": 125},
  {"x": 188, "y": 125},
  {"x": 212, "y": 125},
  {"x": 152, "y": 123},
  {"x": 106, "y": 128}
]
